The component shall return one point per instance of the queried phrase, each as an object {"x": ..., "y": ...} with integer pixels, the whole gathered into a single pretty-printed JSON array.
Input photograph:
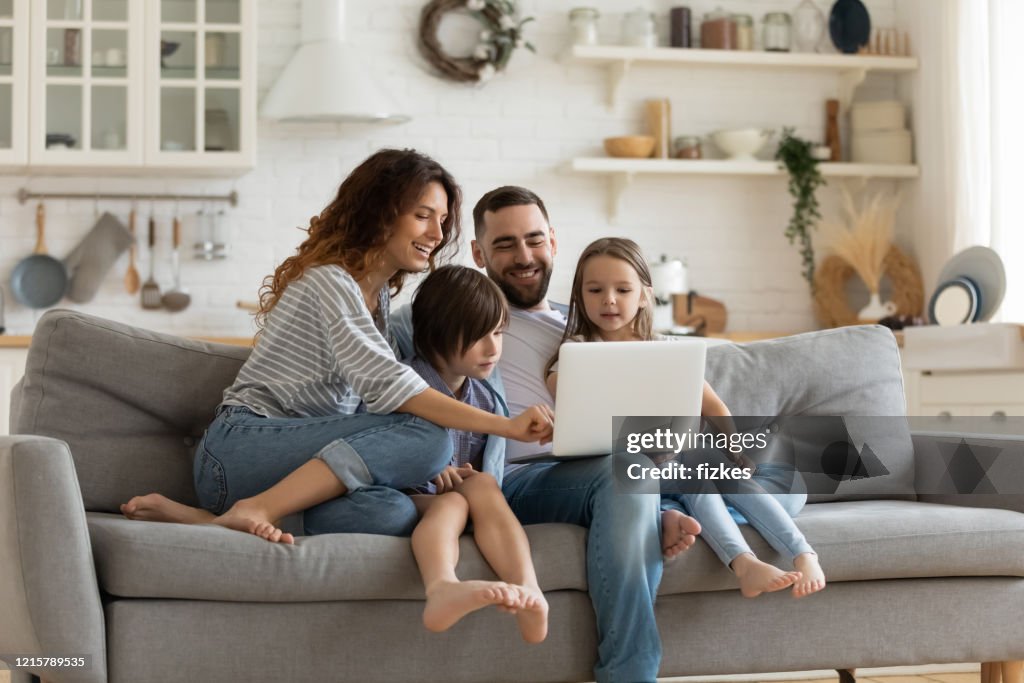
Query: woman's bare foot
[
  {"x": 532, "y": 615},
  {"x": 758, "y": 577},
  {"x": 678, "y": 532},
  {"x": 250, "y": 518},
  {"x": 449, "y": 601},
  {"x": 812, "y": 579},
  {"x": 154, "y": 507}
]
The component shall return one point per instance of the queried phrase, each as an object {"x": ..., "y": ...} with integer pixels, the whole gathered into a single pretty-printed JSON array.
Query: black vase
[{"x": 849, "y": 24}]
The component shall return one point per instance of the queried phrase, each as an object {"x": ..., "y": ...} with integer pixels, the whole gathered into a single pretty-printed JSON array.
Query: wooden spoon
[{"x": 131, "y": 277}]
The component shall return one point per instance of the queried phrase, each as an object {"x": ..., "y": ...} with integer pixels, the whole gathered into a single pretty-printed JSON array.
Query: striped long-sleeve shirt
[{"x": 322, "y": 352}]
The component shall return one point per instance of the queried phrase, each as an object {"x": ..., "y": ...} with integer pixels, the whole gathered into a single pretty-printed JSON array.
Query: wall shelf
[
  {"x": 852, "y": 69},
  {"x": 621, "y": 172}
]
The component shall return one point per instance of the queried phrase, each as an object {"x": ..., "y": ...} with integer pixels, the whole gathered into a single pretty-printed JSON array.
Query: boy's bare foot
[
  {"x": 678, "y": 532},
  {"x": 812, "y": 579},
  {"x": 758, "y": 577},
  {"x": 154, "y": 507},
  {"x": 250, "y": 518},
  {"x": 532, "y": 615},
  {"x": 449, "y": 601}
]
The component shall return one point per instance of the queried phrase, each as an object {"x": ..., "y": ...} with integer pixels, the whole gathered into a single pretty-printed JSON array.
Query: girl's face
[
  {"x": 612, "y": 296},
  {"x": 418, "y": 232},
  {"x": 480, "y": 359}
]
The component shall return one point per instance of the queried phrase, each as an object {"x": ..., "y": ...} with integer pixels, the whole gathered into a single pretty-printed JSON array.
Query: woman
[{"x": 286, "y": 436}]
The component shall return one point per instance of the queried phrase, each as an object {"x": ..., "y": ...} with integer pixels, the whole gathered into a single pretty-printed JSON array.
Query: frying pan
[{"x": 39, "y": 280}]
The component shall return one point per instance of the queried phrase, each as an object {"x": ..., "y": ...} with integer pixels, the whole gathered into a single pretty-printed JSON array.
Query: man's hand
[
  {"x": 536, "y": 423},
  {"x": 452, "y": 476}
]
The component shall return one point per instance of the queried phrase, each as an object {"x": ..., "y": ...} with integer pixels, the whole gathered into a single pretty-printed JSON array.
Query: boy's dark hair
[
  {"x": 454, "y": 307},
  {"x": 497, "y": 199}
]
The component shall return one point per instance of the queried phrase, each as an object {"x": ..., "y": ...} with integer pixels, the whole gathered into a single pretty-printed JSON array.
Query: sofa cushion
[
  {"x": 130, "y": 403},
  {"x": 851, "y": 372}
]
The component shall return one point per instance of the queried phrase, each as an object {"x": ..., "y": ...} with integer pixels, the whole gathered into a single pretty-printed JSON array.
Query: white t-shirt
[{"x": 529, "y": 341}]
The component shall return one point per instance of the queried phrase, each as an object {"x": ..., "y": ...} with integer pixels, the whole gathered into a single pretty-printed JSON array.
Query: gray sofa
[{"x": 107, "y": 411}]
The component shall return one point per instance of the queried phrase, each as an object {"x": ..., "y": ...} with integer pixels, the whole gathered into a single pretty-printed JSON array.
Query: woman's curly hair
[{"x": 354, "y": 229}]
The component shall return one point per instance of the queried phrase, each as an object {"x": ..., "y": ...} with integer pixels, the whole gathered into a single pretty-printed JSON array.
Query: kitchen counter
[{"x": 8, "y": 341}]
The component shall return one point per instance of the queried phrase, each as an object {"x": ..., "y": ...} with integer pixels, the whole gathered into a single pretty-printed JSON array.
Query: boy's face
[{"x": 481, "y": 358}]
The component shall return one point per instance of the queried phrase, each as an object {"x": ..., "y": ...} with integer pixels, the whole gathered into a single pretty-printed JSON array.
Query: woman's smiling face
[{"x": 418, "y": 232}]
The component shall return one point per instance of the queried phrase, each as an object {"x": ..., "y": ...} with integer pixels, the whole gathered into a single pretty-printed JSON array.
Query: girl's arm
[
  {"x": 552, "y": 382},
  {"x": 714, "y": 409},
  {"x": 533, "y": 424}
]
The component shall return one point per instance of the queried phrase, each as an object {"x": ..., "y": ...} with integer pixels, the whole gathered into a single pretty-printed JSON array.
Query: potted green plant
[{"x": 804, "y": 179}]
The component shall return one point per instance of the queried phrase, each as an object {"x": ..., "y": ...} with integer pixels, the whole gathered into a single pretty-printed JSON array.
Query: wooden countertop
[{"x": 8, "y": 341}]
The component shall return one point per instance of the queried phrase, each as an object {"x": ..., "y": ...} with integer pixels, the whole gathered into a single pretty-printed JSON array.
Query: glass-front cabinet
[{"x": 14, "y": 82}]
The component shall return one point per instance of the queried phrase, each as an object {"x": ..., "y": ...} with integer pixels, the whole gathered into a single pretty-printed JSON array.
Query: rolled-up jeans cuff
[{"x": 348, "y": 466}]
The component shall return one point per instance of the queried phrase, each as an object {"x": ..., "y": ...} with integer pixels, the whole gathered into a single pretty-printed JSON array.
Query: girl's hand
[
  {"x": 449, "y": 478},
  {"x": 536, "y": 423}
]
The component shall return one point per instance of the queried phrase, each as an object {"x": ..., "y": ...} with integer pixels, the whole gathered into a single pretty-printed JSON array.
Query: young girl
[{"x": 610, "y": 301}]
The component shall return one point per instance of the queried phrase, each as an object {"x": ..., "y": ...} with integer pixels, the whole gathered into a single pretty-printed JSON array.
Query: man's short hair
[{"x": 502, "y": 197}]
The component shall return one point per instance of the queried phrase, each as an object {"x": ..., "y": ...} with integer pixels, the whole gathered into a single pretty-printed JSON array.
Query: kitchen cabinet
[
  {"x": 12, "y": 367},
  {"x": 963, "y": 393},
  {"x": 136, "y": 85},
  {"x": 14, "y": 63}
]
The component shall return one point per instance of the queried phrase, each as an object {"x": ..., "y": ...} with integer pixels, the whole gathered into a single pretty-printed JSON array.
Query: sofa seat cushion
[
  {"x": 157, "y": 560},
  {"x": 878, "y": 539}
]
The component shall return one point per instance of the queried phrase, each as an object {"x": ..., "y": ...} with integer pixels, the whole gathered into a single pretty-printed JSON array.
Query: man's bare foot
[
  {"x": 812, "y": 577},
  {"x": 532, "y": 615},
  {"x": 154, "y": 507},
  {"x": 678, "y": 532},
  {"x": 449, "y": 601},
  {"x": 758, "y": 577},
  {"x": 250, "y": 518}
]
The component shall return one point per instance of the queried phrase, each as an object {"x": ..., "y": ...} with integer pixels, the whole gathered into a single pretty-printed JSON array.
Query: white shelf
[
  {"x": 621, "y": 172},
  {"x": 852, "y": 69}
]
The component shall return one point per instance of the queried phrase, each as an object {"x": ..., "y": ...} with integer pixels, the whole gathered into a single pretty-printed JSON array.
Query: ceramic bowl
[
  {"x": 741, "y": 144},
  {"x": 629, "y": 146}
]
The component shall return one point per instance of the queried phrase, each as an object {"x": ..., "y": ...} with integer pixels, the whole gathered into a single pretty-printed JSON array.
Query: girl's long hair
[
  {"x": 354, "y": 229},
  {"x": 579, "y": 327}
]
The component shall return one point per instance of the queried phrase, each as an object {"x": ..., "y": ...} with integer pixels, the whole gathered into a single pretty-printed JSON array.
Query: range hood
[{"x": 328, "y": 79}]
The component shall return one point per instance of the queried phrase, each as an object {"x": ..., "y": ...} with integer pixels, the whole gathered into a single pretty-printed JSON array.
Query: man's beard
[{"x": 516, "y": 297}]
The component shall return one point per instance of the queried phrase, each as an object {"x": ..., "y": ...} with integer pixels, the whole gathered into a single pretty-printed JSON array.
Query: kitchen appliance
[{"x": 668, "y": 277}]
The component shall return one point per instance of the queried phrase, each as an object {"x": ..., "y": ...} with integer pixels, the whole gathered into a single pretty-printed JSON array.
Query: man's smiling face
[{"x": 517, "y": 247}]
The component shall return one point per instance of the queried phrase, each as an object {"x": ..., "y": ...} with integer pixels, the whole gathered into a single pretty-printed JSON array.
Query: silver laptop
[{"x": 600, "y": 380}]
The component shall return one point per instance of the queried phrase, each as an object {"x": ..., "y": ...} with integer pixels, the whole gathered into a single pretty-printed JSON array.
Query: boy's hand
[{"x": 536, "y": 423}]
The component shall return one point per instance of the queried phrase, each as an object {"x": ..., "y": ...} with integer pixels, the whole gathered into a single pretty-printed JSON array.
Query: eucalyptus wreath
[
  {"x": 804, "y": 179},
  {"x": 501, "y": 33}
]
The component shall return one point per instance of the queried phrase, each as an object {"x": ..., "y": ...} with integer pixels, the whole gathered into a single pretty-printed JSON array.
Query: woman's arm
[{"x": 533, "y": 424}]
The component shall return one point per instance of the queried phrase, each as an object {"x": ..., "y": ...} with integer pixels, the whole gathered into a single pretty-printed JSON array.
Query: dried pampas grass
[{"x": 863, "y": 239}]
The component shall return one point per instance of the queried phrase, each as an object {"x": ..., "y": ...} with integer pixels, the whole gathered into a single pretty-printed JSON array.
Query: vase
[
  {"x": 876, "y": 310},
  {"x": 849, "y": 25},
  {"x": 808, "y": 26}
]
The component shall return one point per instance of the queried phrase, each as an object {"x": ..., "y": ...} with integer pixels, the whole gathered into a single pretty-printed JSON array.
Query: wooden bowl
[{"x": 629, "y": 146}]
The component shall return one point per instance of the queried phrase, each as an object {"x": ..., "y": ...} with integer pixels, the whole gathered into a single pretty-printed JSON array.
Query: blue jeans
[
  {"x": 766, "y": 502},
  {"x": 624, "y": 562},
  {"x": 374, "y": 456}
]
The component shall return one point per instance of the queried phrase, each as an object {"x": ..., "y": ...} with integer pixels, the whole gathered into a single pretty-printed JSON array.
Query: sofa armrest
[
  {"x": 999, "y": 456},
  {"x": 48, "y": 590}
]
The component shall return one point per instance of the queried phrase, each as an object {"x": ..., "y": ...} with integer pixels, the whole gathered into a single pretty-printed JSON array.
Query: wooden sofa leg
[
  {"x": 850, "y": 675},
  {"x": 1013, "y": 672}
]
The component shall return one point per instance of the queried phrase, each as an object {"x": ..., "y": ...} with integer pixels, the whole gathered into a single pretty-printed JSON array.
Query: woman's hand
[
  {"x": 451, "y": 477},
  {"x": 536, "y": 423}
]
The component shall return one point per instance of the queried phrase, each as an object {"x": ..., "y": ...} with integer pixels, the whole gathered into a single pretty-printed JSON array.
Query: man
[{"x": 516, "y": 244}]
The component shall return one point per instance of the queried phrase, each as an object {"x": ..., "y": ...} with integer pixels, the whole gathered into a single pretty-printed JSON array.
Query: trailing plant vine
[{"x": 804, "y": 179}]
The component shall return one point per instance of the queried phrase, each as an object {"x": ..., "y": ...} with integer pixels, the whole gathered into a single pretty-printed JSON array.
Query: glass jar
[
  {"x": 808, "y": 26},
  {"x": 718, "y": 31},
  {"x": 687, "y": 147},
  {"x": 583, "y": 21},
  {"x": 744, "y": 31},
  {"x": 679, "y": 27},
  {"x": 638, "y": 29},
  {"x": 777, "y": 32}
]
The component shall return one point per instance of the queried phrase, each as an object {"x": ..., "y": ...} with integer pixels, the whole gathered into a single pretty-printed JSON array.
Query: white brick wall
[{"x": 519, "y": 129}]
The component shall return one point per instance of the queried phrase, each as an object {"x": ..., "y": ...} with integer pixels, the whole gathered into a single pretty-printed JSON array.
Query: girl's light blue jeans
[
  {"x": 768, "y": 502},
  {"x": 374, "y": 456}
]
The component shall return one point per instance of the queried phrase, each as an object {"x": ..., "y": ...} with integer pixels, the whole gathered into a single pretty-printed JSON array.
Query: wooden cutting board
[{"x": 695, "y": 310}]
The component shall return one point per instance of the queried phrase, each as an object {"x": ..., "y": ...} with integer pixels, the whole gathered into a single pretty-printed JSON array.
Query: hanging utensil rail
[{"x": 24, "y": 195}]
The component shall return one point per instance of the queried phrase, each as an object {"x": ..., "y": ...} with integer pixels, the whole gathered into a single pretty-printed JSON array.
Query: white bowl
[{"x": 742, "y": 144}]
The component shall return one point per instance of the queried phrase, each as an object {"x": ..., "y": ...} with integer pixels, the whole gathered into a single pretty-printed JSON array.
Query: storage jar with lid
[
  {"x": 687, "y": 147},
  {"x": 744, "y": 31},
  {"x": 638, "y": 29},
  {"x": 777, "y": 32},
  {"x": 718, "y": 31},
  {"x": 583, "y": 21}
]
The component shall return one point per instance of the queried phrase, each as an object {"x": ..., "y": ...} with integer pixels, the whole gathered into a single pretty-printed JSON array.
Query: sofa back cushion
[
  {"x": 850, "y": 372},
  {"x": 131, "y": 403}
]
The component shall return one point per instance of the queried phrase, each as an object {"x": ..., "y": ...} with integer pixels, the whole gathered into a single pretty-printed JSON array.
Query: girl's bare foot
[
  {"x": 532, "y": 615},
  {"x": 758, "y": 577},
  {"x": 154, "y": 507},
  {"x": 250, "y": 518},
  {"x": 812, "y": 579},
  {"x": 678, "y": 532},
  {"x": 449, "y": 601}
]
